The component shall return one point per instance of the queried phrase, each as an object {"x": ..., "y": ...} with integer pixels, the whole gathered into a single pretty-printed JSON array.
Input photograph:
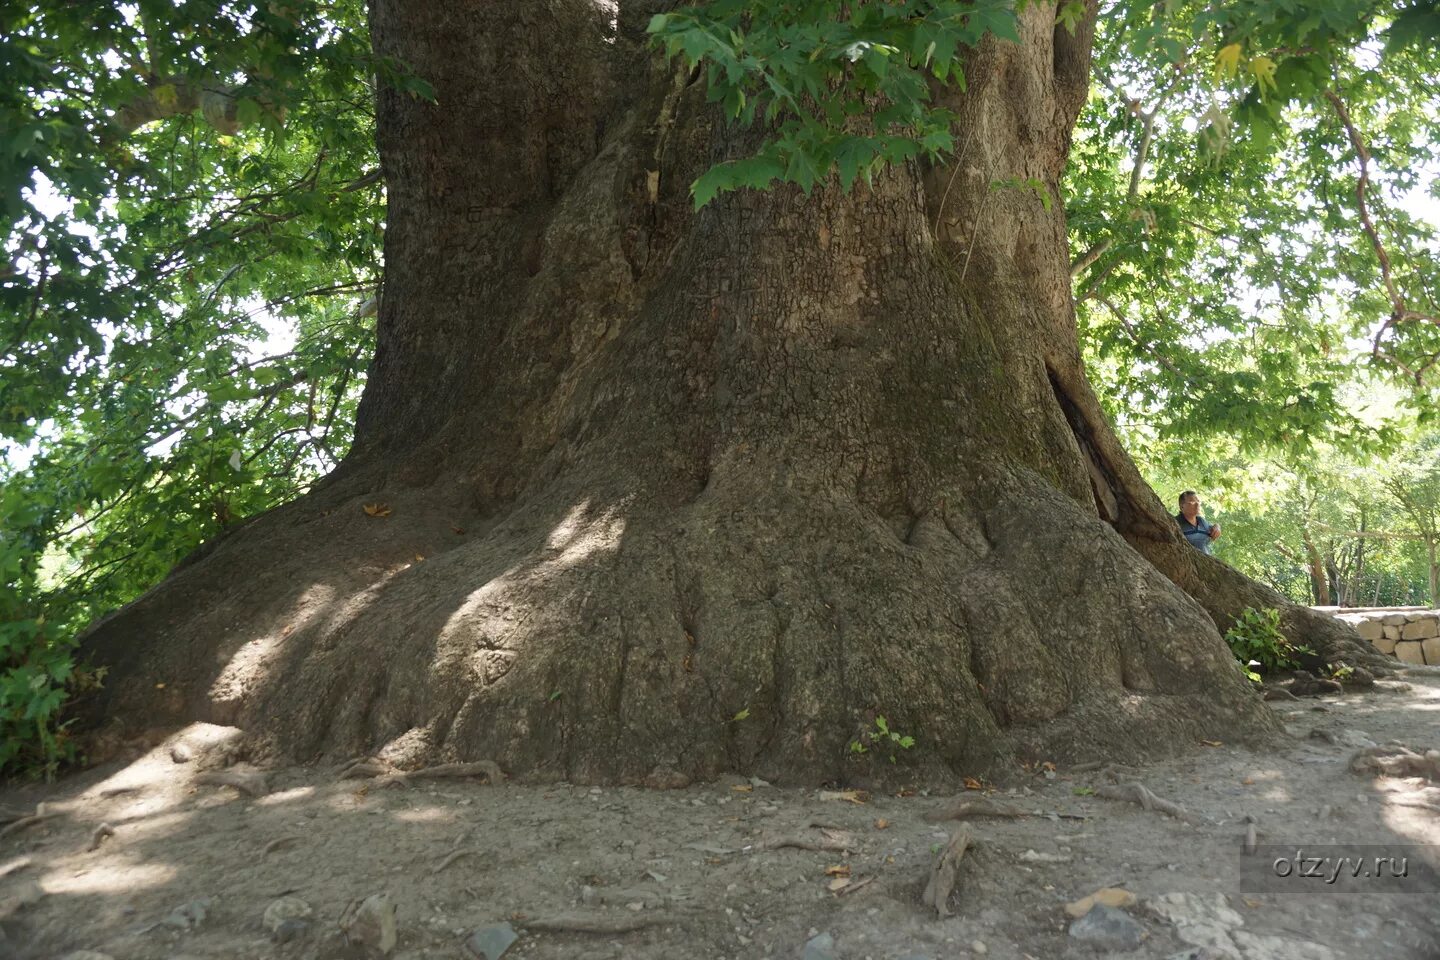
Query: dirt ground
[{"x": 734, "y": 869}]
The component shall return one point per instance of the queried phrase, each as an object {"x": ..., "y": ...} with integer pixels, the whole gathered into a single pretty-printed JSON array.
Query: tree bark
[{"x": 696, "y": 492}]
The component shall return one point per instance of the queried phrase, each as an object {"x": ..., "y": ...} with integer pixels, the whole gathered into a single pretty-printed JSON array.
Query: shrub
[{"x": 1256, "y": 639}]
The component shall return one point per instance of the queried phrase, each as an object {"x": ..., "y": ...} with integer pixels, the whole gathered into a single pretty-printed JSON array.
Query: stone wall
[{"x": 1413, "y": 636}]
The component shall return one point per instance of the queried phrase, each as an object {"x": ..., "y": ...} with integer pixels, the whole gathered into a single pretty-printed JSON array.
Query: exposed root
[
  {"x": 831, "y": 841},
  {"x": 604, "y": 926},
  {"x": 15, "y": 866},
  {"x": 98, "y": 837},
  {"x": 1416, "y": 804},
  {"x": 387, "y": 774},
  {"x": 276, "y": 844},
  {"x": 1139, "y": 793},
  {"x": 1114, "y": 772},
  {"x": 857, "y": 885},
  {"x": 452, "y": 857},
  {"x": 247, "y": 781},
  {"x": 969, "y": 809},
  {"x": 40, "y": 815},
  {"x": 942, "y": 873},
  {"x": 1396, "y": 760},
  {"x": 118, "y": 792}
]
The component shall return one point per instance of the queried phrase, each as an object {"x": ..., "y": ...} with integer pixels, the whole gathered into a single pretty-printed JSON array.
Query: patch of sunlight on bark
[
  {"x": 610, "y": 11},
  {"x": 579, "y": 535},
  {"x": 251, "y": 660}
]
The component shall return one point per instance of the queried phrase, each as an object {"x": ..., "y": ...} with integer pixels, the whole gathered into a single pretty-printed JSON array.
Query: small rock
[
  {"x": 286, "y": 908},
  {"x": 290, "y": 913},
  {"x": 181, "y": 753},
  {"x": 490, "y": 943},
  {"x": 190, "y": 915},
  {"x": 1307, "y": 684},
  {"x": 819, "y": 947},
  {"x": 1109, "y": 928},
  {"x": 978, "y": 946},
  {"x": 288, "y": 931},
  {"x": 372, "y": 924}
]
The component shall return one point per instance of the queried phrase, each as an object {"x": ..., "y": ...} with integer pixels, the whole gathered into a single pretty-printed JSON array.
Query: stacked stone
[{"x": 1412, "y": 636}]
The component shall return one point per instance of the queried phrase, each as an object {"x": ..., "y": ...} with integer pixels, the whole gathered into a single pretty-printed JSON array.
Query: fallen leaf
[
  {"x": 1212, "y": 743},
  {"x": 742, "y": 788},
  {"x": 1047, "y": 765},
  {"x": 839, "y": 870},
  {"x": 159, "y": 686},
  {"x": 849, "y": 796},
  {"x": 838, "y": 884},
  {"x": 881, "y": 823},
  {"x": 458, "y": 530},
  {"x": 1248, "y": 781},
  {"x": 972, "y": 784},
  {"x": 419, "y": 557},
  {"x": 377, "y": 510},
  {"x": 1251, "y": 902}
]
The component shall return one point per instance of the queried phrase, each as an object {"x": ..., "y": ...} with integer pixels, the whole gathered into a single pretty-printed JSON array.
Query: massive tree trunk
[{"x": 676, "y": 492}]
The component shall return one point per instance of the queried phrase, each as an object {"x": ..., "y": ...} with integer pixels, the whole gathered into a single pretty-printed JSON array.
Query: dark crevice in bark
[{"x": 1102, "y": 481}]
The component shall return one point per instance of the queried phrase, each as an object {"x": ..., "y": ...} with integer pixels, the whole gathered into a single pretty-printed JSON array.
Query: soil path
[{"x": 182, "y": 868}]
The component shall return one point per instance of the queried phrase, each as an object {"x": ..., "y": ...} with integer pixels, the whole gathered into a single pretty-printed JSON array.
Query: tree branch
[{"x": 1400, "y": 312}]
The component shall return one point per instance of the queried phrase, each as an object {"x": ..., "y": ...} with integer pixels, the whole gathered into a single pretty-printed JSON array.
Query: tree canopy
[{"x": 193, "y": 216}]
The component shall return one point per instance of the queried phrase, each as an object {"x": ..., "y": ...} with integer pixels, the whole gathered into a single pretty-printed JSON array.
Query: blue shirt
[{"x": 1197, "y": 533}]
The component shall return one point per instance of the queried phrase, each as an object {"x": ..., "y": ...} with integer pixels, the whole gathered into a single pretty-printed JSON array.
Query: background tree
[{"x": 1415, "y": 486}]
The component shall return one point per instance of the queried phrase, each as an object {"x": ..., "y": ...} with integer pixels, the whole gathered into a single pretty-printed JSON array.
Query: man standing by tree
[{"x": 1199, "y": 531}]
